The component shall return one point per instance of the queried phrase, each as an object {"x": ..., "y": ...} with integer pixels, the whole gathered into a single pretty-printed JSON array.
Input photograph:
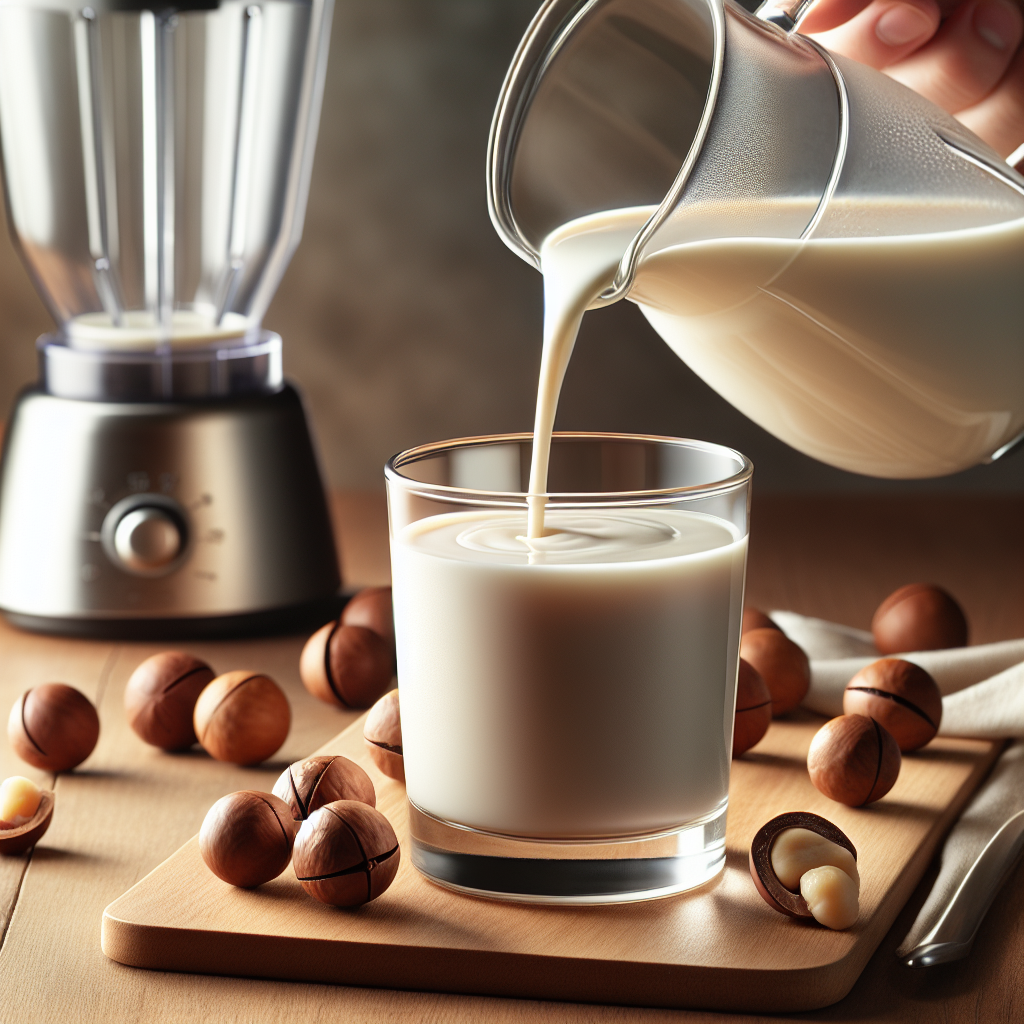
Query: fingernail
[
  {"x": 998, "y": 23},
  {"x": 902, "y": 24}
]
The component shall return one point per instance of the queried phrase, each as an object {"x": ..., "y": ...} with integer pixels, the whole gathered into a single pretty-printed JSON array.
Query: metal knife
[{"x": 954, "y": 932}]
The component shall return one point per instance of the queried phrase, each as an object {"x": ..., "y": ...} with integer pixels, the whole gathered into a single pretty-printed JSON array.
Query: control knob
[{"x": 146, "y": 539}]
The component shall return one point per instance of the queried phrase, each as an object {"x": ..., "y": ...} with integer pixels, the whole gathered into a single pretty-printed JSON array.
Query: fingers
[
  {"x": 826, "y": 14},
  {"x": 999, "y": 117},
  {"x": 971, "y": 64},
  {"x": 969, "y": 56},
  {"x": 885, "y": 32}
]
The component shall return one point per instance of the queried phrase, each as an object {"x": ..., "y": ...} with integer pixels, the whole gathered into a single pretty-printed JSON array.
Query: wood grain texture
[
  {"x": 833, "y": 558},
  {"x": 718, "y": 947}
]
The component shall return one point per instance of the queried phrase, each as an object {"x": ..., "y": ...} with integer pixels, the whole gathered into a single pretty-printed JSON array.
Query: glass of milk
[{"x": 568, "y": 700}]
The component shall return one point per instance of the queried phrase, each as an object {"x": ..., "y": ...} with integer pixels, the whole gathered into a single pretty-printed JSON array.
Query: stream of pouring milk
[{"x": 578, "y": 262}]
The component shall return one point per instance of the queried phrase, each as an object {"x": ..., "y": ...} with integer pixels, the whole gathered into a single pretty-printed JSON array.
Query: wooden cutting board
[{"x": 717, "y": 947}]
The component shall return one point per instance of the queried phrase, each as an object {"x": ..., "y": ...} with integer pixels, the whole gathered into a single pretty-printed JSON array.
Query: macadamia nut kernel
[
  {"x": 19, "y": 801},
  {"x": 25, "y": 814},
  {"x": 832, "y": 896},
  {"x": 799, "y": 850}
]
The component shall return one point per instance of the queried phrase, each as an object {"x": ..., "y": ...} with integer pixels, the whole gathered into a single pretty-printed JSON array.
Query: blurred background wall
[{"x": 405, "y": 319}]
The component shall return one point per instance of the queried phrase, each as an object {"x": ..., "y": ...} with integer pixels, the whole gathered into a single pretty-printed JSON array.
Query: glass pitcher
[{"x": 835, "y": 255}]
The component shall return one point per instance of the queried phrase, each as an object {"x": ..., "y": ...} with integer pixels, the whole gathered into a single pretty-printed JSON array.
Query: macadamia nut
[
  {"x": 53, "y": 727},
  {"x": 382, "y": 732},
  {"x": 795, "y": 862},
  {"x": 782, "y": 664},
  {"x": 919, "y": 617},
  {"x": 242, "y": 717},
  {"x": 246, "y": 838},
  {"x": 832, "y": 896},
  {"x": 19, "y": 801},
  {"x": 853, "y": 760},
  {"x": 346, "y": 854},
  {"x": 799, "y": 850}
]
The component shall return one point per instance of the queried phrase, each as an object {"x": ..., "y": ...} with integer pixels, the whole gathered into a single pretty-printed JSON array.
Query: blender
[{"x": 160, "y": 480}]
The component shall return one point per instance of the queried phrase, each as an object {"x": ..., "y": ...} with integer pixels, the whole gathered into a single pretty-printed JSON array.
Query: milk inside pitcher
[{"x": 835, "y": 255}]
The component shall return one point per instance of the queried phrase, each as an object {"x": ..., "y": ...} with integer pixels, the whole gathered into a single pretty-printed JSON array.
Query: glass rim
[{"x": 392, "y": 471}]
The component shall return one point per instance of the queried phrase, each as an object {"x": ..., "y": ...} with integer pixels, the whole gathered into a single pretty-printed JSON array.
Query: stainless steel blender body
[{"x": 160, "y": 479}]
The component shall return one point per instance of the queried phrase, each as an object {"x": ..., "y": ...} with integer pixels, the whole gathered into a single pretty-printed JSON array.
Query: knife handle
[{"x": 954, "y": 932}]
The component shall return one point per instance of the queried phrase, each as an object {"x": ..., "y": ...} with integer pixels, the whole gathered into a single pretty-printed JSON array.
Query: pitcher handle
[{"x": 787, "y": 14}]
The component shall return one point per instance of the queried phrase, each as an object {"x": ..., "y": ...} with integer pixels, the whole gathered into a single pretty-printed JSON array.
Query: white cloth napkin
[
  {"x": 983, "y": 697},
  {"x": 982, "y": 687}
]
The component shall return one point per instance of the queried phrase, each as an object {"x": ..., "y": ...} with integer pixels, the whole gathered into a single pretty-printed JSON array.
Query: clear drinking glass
[{"x": 567, "y": 706}]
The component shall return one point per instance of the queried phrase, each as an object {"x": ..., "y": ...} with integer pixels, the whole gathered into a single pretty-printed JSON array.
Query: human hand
[{"x": 964, "y": 55}]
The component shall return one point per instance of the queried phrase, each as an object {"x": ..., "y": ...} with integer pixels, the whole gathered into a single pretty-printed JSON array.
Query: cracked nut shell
[
  {"x": 782, "y": 665},
  {"x": 242, "y": 717},
  {"x": 772, "y": 891},
  {"x": 901, "y": 696},
  {"x": 21, "y": 837},
  {"x": 918, "y": 617},
  {"x": 161, "y": 696},
  {"x": 853, "y": 760},
  {"x": 372, "y": 608},
  {"x": 753, "y": 709},
  {"x": 247, "y": 837},
  {"x": 350, "y": 666},
  {"x": 346, "y": 854},
  {"x": 382, "y": 732},
  {"x": 53, "y": 727},
  {"x": 306, "y": 786}
]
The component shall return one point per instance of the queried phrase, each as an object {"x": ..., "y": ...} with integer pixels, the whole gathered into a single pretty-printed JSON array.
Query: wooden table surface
[{"x": 131, "y": 806}]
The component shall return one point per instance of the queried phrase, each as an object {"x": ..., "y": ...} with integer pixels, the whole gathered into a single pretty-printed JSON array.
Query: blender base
[
  {"x": 299, "y": 619},
  {"x": 164, "y": 520}
]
